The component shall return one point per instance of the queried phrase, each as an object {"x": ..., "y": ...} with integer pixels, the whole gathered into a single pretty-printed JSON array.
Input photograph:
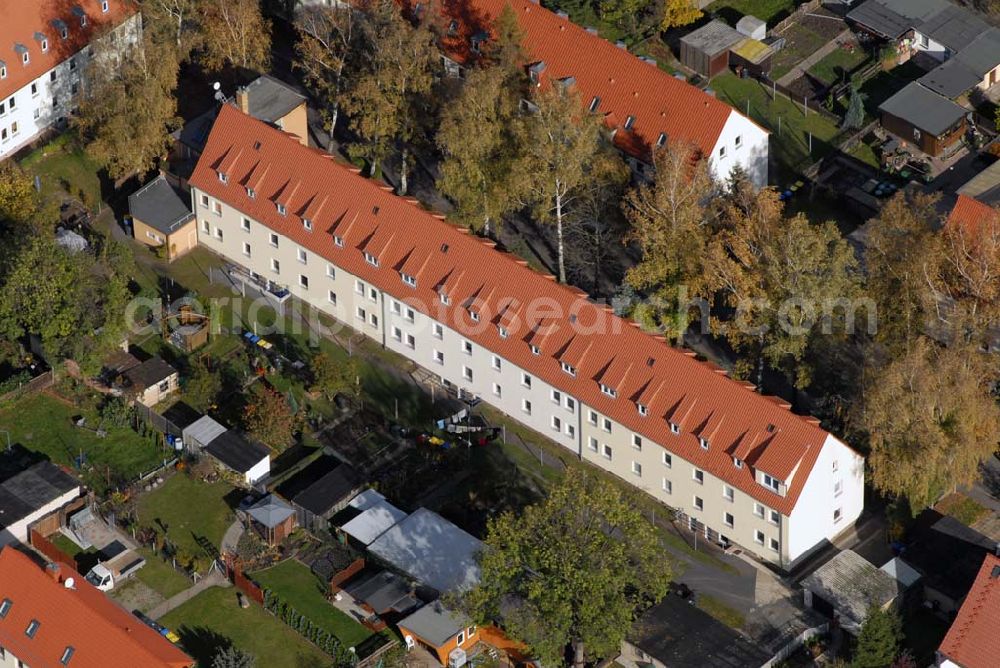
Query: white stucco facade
[
  {"x": 744, "y": 143},
  {"x": 258, "y": 470},
  {"x": 18, "y": 531}
]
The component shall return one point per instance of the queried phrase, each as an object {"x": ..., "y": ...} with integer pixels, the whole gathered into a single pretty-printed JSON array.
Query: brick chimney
[
  {"x": 243, "y": 100},
  {"x": 53, "y": 570}
]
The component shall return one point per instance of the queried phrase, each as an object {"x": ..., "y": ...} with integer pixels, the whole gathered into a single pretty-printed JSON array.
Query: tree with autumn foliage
[
  {"x": 668, "y": 222},
  {"x": 930, "y": 419},
  {"x": 18, "y": 198},
  {"x": 968, "y": 275},
  {"x": 268, "y": 418},
  {"x": 678, "y": 13},
  {"x": 234, "y": 33}
]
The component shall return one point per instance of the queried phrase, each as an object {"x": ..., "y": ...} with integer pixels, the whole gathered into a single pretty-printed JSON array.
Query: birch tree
[
  {"x": 563, "y": 148},
  {"x": 326, "y": 41},
  {"x": 235, "y": 33}
]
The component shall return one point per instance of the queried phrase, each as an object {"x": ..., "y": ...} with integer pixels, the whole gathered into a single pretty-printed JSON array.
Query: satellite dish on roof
[
  {"x": 216, "y": 86},
  {"x": 70, "y": 583}
]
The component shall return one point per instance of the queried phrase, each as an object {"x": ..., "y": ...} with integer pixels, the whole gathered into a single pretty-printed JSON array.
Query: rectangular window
[
  {"x": 758, "y": 510},
  {"x": 371, "y": 259},
  {"x": 359, "y": 287},
  {"x": 526, "y": 406},
  {"x": 439, "y": 357},
  {"x": 275, "y": 266},
  {"x": 467, "y": 373},
  {"x": 497, "y": 390},
  {"x": 331, "y": 271},
  {"x": 668, "y": 460},
  {"x": 373, "y": 319},
  {"x": 535, "y": 350},
  {"x": 306, "y": 223},
  {"x": 837, "y": 514},
  {"x": 556, "y": 423},
  {"x": 222, "y": 177},
  {"x": 332, "y": 297},
  {"x": 758, "y": 537},
  {"x": 775, "y": 517},
  {"x": 410, "y": 314},
  {"x": 699, "y": 504},
  {"x": 34, "y": 89},
  {"x": 592, "y": 418},
  {"x": 397, "y": 333},
  {"x": 703, "y": 442},
  {"x": 281, "y": 209},
  {"x": 637, "y": 469},
  {"x": 461, "y": 637},
  {"x": 246, "y": 248},
  {"x": 722, "y": 151},
  {"x": 643, "y": 410},
  {"x": 205, "y": 227},
  {"x": 250, "y": 193},
  {"x": 217, "y": 208},
  {"x": 675, "y": 428},
  {"x": 739, "y": 141},
  {"x": 637, "y": 441},
  {"x": 609, "y": 391},
  {"x": 5, "y": 607},
  {"x": 302, "y": 256},
  {"x": 410, "y": 280},
  {"x": 607, "y": 451},
  {"x": 274, "y": 239},
  {"x": 373, "y": 294},
  {"x": 496, "y": 363},
  {"x": 592, "y": 444},
  {"x": 525, "y": 380},
  {"x": 668, "y": 487},
  {"x": 245, "y": 224},
  {"x": 218, "y": 233},
  {"x": 727, "y": 493},
  {"x": 32, "y": 628},
  {"x": 395, "y": 306},
  {"x": 304, "y": 281},
  {"x": 204, "y": 200},
  {"x": 728, "y": 519},
  {"x": 502, "y": 331},
  {"x": 570, "y": 404},
  {"x": 338, "y": 241},
  {"x": 699, "y": 476},
  {"x": 836, "y": 465},
  {"x": 568, "y": 368},
  {"x": 556, "y": 397},
  {"x": 467, "y": 347},
  {"x": 360, "y": 314},
  {"x": 438, "y": 331},
  {"x": 838, "y": 488},
  {"x": 13, "y": 128},
  {"x": 774, "y": 544},
  {"x": 770, "y": 482},
  {"x": 607, "y": 425}
]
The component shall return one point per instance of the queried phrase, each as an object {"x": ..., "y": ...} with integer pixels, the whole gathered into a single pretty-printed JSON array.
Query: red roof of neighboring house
[
  {"x": 626, "y": 85},
  {"x": 100, "y": 632},
  {"x": 971, "y": 213},
  {"x": 21, "y": 21},
  {"x": 358, "y": 210},
  {"x": 973, "y": 640}
]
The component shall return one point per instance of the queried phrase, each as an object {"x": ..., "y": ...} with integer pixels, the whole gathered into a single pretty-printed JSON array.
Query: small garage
[
  {"x": 846, "y": 587},
  {"x": 706, "y": 50}
]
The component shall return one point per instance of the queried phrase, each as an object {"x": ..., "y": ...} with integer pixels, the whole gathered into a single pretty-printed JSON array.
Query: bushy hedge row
[{"x": 322, "y": 638}]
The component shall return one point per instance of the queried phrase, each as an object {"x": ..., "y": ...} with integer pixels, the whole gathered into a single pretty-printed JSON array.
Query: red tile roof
[
  {"x": 973, "y": 641},
  {"x": 101, "y": 633},
  {"x": 971, "y": 213},
  {"x": 626, "y": 85},
  {"x": 557, "y": 318},
  {"x": 20, "y": 20}
]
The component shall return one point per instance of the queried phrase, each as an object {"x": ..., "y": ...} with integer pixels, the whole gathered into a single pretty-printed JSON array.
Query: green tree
[
  {"x": 564, "y": 149},
  {"x": 388, "y": 85},
  {"x": 128, "y": 108},
  {"x": 931, "y": 420},
  {"x": 669, "y": 223},
  {"x": 18, "y": 199},
  {"x": 203, "y": 386},
  {"x": 854, "y": 118},
  {"x": 234, "y": 33},
  {"x": 173, "y": 20},
  {"x": 571, "y": 570},
  {"x": 678, "y": 13},
  {"x": 232, "y": 657},
  {"x": 786, "y": 280},
  {"x": 268, "y": 418},
  {"x": 878, "y": 640},
  {"x": 332, "y": 377}
]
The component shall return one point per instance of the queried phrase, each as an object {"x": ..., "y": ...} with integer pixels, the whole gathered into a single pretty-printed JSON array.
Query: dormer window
[
  {"x": 703, "y": 442},
  {"x": 222, "y": 177},
  {"x": 675, "y": 428},
  {"x": 453, "y": 27},
  {"x": 250, "y": 193},
  {"x": 3, "y": 70},
  {"x": 568, "y": 368},
  {"x": 104, "y": 6},
  {"x": 643, "y": 409},
  {"x": 371, "y": 259},
  {"x": 737, "y": 462},
  {"x": 535, "y": 71},
  {"x": 473, "y": 315},
  {"x": 32, "y": 628},
  {"x": 661, "y": 140},
  {"x": 23, "y": 50},
  {"x": 338, "y": 241},
  {"x": 535, "y": 350},
  {"x": 68, "y": 652},
  {"x": 308, "y": 224},
  {"x": 445, "y": 299},
  {"x": 629, "y": 122},
  {"x": 409, "y": 280},
  {"x": 64, "y": 32},
  {"x": 43, "y": 41},
  {"x": 770, "y": 482},
  {"x": 595, "y": 103},
  {"x": 502, "y": 331},
  {"x": 610, "y": 391},
  {"x": 281, "y": 209}
]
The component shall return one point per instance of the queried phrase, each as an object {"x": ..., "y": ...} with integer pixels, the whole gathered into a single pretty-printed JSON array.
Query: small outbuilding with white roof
[{"x": 373, "y": 522}]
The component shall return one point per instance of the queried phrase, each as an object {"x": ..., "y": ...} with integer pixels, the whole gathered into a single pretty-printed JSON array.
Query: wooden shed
[{"x": 706, "y": 50}]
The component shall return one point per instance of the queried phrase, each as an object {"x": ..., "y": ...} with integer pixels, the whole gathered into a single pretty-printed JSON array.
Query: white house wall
[
  {"x": 741, "y": 142},
  {"x": 812, "y": 521},
  {"x": 18, "y": 531},
  {"x": 258, "y": 471}
]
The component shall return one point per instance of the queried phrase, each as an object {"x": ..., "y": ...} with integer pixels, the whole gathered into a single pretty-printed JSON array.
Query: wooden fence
[
  {"x": 241, "y": 581},
  {"x": 46, "y": 547},
  {"x": 796, "y": 15},
  {"x": 36, "y": 384}
]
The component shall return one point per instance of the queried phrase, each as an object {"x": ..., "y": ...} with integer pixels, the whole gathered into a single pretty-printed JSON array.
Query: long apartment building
[
  {"x": 45, "y": 48},
  {"x": 740, "y": 466}
]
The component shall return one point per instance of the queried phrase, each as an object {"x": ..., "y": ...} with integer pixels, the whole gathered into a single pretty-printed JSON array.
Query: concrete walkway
[
  {"x": 213, "y": 579},
  {"x": 811, "y": 60},
  {"x": 232, "y": 537}
]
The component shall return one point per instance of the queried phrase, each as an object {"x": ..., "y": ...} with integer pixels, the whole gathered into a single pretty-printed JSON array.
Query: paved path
[
  {"x": 213, "y": 579},
  {"x": 232, "y": 537},
  {"x": 811, "y": 60}
]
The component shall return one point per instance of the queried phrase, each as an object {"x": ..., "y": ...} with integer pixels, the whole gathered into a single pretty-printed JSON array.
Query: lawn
[
  {"x": 160, "y": 576},
  {"x": 195, "y": 514},
  {"x": 865, "y": 154},
  {"x": 838, "y": 66},
  {"x": 790, "y": 144},
  {"x": 720, "y": 611},
  {"x": 767, "y": 10},
  {"x": 41, "y": 423},
  {"x": 213, "y": 619},
  {"x": 294, "y": 583},
  {"x": 962, "y": 508},
  {"x": 64, "y": 167}
]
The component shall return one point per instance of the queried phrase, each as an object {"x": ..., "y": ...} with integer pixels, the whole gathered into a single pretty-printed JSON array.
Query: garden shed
[
  {"x": 201, "y": 432},
  {"x": 846, "y": 587},
  {"x": 706, "y": 50},
  {"x": 31, "y": 495},
  {"x": 272, "y": 519},
  {"x": 373, "y": 522},
  {"x": 250, "y": 459}
]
